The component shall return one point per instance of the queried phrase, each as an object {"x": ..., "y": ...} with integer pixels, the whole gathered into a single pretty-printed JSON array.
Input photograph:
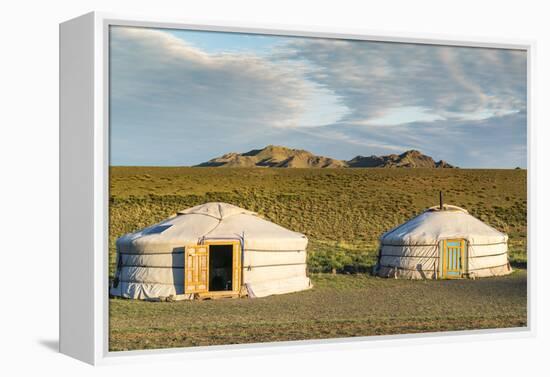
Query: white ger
[
  {"x": 443, "y": 242},
  {"x": 214, "y": 249}
]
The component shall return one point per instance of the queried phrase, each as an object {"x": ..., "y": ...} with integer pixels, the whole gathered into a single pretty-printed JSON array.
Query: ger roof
[
  {"x": 214, "y": 220},
  {"x": 217, "y": 210},
  {"x": 437, "y": 224}
]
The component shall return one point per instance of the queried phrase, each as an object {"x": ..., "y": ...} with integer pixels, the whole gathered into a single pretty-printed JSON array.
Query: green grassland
[
  {"x": 343, "y": 212},
  {"x": 338, "y": 306}
]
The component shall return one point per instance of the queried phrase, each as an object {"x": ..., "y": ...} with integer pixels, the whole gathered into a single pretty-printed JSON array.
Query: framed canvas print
[{"x": 226, "y": 188}]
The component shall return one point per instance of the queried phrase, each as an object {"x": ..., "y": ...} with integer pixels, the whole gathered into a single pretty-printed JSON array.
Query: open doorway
[{"x": 221, "y": 268}]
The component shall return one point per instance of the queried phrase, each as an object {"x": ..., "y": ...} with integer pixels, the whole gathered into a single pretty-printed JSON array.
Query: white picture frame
[{"x": 84, "y": 167}]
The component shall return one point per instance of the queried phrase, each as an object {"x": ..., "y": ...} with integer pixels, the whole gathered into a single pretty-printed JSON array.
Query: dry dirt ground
[{"x": 337, "y": 306}]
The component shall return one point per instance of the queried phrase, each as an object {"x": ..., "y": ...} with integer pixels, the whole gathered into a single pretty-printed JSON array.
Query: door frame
[
  {"x": 237, "y": 275},
  {"x": 463, "y": 258},
  {"x": 237, "y": 270}
]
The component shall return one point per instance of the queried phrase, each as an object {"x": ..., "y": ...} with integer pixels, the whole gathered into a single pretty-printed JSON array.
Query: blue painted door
[{"x": 453, "y": 256}]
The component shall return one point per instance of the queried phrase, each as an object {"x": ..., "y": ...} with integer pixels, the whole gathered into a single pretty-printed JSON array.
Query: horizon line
[{"x": 283, "y": 168}]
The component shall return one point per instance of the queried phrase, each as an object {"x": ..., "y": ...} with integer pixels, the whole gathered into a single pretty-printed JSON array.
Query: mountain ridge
[{"x": 276, "y": 156}]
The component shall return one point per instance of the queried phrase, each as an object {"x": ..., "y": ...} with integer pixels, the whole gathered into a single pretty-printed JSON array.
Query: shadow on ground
[
  {"x": 522, "y": 265},
  {"x": 51, "y": 344}
]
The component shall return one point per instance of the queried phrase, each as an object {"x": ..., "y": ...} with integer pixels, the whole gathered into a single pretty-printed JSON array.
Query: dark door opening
[{"x": 221, "y": 268}]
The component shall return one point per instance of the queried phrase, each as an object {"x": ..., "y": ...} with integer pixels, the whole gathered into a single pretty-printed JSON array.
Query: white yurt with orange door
[{"x": 214, "y": 249}]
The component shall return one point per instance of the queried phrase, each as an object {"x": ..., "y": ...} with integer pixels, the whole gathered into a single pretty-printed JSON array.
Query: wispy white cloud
[
  {"x": 377, "y": 80},
  {"x": 164, "y": 89},
  {"x": 156, "y": 71},
  {"x": 174, "y": 102}
]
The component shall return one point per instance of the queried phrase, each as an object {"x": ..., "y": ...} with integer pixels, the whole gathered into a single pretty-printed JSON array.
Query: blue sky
[{"x": 183, "y": 97}]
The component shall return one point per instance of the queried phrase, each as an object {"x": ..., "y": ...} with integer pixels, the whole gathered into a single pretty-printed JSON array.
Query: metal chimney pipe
[{"x": 441, "y": 200}]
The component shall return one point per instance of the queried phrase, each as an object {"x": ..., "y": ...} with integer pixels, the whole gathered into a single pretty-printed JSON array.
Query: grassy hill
[{"x": 342, "y": 211}]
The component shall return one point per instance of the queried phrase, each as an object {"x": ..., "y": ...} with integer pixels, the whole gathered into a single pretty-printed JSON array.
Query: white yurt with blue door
[
  {"x": 211, "y": 250},
  {"x": 444, "y": 242}
]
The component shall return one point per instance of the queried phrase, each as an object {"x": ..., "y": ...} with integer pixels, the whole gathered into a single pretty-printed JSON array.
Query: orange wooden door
[
  {"x": 196, "y": 269},
  {"x": 237, "y": 270}
]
